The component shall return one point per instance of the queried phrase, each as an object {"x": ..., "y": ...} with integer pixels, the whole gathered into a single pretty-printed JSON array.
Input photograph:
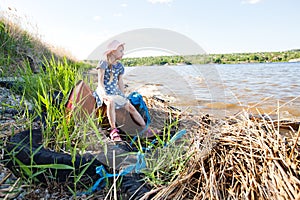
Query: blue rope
[
  {"x": 104, "y": 175},
  {"x": 177, "y": 136},
  {"x": 140, "y": 164}
]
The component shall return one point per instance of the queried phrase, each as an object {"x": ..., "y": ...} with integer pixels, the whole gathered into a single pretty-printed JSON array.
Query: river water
[{"x": 222, "y": 90}]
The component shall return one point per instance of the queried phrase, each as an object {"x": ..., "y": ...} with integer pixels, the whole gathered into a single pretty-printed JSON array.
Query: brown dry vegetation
[{"x": 240, "y": 158}]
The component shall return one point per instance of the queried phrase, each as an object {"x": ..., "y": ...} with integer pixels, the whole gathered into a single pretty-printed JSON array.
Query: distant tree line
[{"x": 233, "y": 58}]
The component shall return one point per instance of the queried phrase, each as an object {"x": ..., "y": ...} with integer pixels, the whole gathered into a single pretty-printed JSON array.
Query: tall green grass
[
  {"x": 55, "y": 77},
  {"x": 61, "y": 132}
]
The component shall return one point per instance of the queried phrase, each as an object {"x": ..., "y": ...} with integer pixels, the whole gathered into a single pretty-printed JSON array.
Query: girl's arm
[
  {"x": 101, "y": 88},
  {"x": 121, "y": 83}
]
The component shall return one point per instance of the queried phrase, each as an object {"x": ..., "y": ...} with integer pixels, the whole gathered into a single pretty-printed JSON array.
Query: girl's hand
[
  {"x": 100, "y": 91},
  {"x": 105, "y": 98}
]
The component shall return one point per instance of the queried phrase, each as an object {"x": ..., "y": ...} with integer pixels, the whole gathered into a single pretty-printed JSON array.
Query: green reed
[
  {"x": 60, "y": 132},
  {"x": 165, "y": 156},
  {"x": 55, "y": 74},
  {"x": 168, "y": 157},
  {"x": 55, "y": 77}
]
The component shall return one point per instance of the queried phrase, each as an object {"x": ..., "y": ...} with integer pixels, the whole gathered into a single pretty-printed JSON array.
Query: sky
[{"x": 218, "y": 26}]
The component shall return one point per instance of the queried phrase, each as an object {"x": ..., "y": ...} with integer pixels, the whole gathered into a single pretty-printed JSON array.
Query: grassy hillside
[{"x": 19, "y": 48}]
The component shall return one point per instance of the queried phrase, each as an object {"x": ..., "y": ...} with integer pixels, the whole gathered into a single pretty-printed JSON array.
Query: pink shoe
[{"x": 114, "y": 135}]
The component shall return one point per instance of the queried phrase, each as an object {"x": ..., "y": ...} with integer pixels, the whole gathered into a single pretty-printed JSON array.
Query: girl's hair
[
  {"x": 111, "y": 77},
  {"x": 108, "y": 59}
]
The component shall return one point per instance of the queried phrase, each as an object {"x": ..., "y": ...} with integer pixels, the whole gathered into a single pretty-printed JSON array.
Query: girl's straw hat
[{"x": 113, "y": 46}]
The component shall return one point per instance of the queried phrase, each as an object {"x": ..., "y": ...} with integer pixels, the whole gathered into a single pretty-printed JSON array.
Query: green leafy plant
[{"x": 59, "y": 133}]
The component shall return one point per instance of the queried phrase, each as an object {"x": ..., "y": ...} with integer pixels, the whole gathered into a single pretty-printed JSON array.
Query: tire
[{"x": 20, "y": 148}]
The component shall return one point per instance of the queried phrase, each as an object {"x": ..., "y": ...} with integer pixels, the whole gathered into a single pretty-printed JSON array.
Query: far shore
[{"x": 231, "y": 58}]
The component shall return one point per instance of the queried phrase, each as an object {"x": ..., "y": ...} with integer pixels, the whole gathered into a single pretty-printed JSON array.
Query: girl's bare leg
[
  {"x": 111, "y": 113},
  {"x": 135, "y": 114}
]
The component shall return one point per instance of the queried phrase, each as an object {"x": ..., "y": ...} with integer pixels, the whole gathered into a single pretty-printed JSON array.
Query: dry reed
[{"x": 240, "y": 158}]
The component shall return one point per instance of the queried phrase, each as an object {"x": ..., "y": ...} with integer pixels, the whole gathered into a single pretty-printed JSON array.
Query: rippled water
[{"x": 223, "y": 89}]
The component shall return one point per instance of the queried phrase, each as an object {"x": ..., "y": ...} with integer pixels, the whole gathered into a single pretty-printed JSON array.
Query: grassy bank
[{"x": 20, "y": 48}]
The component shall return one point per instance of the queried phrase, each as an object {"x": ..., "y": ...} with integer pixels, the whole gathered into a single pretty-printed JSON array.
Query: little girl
[{"x": 110, "y": 90}]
